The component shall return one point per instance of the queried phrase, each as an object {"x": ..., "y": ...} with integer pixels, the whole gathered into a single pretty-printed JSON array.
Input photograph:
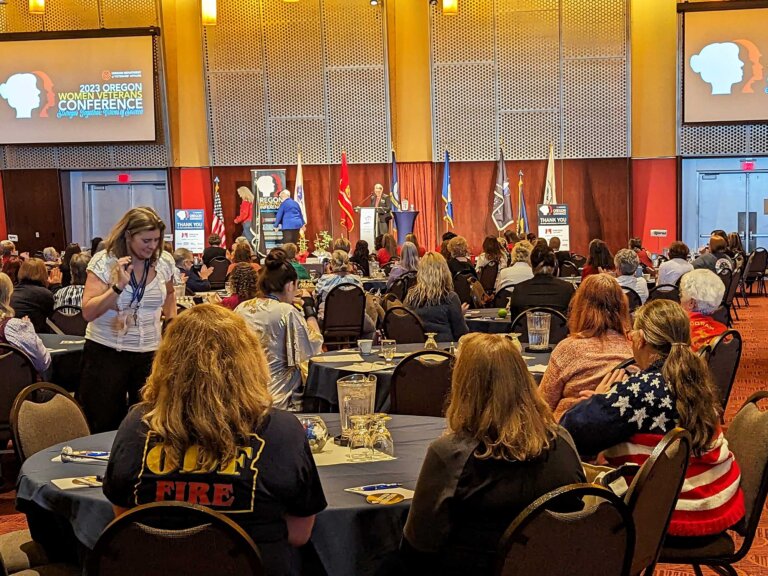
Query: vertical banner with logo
[
  {"x": 266, "y": 186},
  {"x": 189, "y": 230},
  {"x": 553, "y": 221}
]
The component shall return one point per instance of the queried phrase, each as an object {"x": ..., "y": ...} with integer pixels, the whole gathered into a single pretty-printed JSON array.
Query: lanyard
[
  {"x": 273, "y": 297},
  {"x": 138, "y": 288}
]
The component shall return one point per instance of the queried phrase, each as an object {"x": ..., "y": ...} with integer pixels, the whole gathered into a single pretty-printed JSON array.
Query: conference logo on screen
[
  {"x": 721, "y": 65},
  {"x": 22, "y": 92}
]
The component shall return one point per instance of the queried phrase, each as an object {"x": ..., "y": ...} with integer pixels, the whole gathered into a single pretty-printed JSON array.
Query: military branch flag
[
  {"x": 347, "y": 218},
  {"x": 298, "y": 192},
  {"x": 395, "y": 196},
  {"x": 502, "y": 203},
  {"x": 448, "y": 215},
  {"x": 550, "y": 193},
  {"x": 217, "y": 226},
  {"x": 522, "y": 216}
]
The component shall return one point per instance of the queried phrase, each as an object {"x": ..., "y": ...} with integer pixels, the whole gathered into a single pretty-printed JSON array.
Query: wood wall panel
[{"x": 33, "y": 205}]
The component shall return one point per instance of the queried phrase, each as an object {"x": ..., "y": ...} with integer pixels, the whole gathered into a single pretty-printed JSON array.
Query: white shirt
[
  {"x": 134, "y": 328},
  {"x": 482, "y": 261},
  {"x": 671, "y": 270},
  {"x": 636, "y": 283},
  {"x": 508, "y": 277}
]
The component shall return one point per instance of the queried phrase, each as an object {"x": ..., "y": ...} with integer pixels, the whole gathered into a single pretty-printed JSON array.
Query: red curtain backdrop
[
  {"x": 3, "y": 228},
  {"x": 654, "y": 201},
  {"x": 417, "y": 186}
]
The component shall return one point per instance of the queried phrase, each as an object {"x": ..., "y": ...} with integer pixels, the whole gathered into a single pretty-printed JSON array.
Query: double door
[{"x": 106, "y": 204}]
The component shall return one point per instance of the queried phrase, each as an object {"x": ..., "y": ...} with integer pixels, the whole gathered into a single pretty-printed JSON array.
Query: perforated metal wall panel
[
  {"x": 311, "y": 74},
  {"x": 63, "y": 15},
  {"x": 527, "y": 73}
]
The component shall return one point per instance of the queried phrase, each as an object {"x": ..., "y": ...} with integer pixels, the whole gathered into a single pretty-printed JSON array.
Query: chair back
[
  {"x": 578, "y": 260},
  {"x": 69, "y": 320},
  {"x": 568, "y": 269},
  {"x": 723, "y": 356},
  {"x": 421, "y": 384},
  {"x": 653, "y": 494},
  {"x": 502, "y": 298},
  {"x": 733, "y": 286},
  {"x": 344, "y": 314},
  {"x": 401, "y": 286},
  {"x": 721, "y": 315},
  {"x": 726, "y": 275},
  {"x": 665, "y": 292},
  {"x": 633, "y": 298},
  {"x": 759, "y": 264},
  {"x": 606, "y": 525},
  {"x": 18, "y": 373},
  {"x": 403, "y": 326},
  {"x": 462, "y": 288},
  {"x": 558, "y": 324},
  {"x": 218, "y": 277},
  {"x": 173, "y": 538},
  {"x": 42, "y": 415},
  {"x": 488, "y": 274}
]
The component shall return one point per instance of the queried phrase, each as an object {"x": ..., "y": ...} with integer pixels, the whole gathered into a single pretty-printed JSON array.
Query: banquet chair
[
  {"x": 421, "y": 384},
  {"x": 501, "y": 300},
  {"x": 664, "y": 292},
  {"x": 756, "y": 274},
  {"x": 723, "y": 356},
  {"x": 18, "y": 373},
  {"x": 68, "y": 320},
  {"x": 462, "y": 288},
  {"x": 748, "y": 440},
  {"x": 605, "y": 525},
  {"x": 344, "y": 315},
  {"x": 568, "y": 269},
  {"x": 401, "y": 286},
  {"x": 488, "y": 275},
  {"x": 174, "y": 538},
  {"x": 652, "y": 497},
  {"x": 578, "y": 260},
  {"x": 218, "y": 277},
  {"x": 633, "y": 298},
  {"x": 729, "y": 300},
  {"x": 558, "y": 324},
  {"x": 721, "y": 315},
  {"x": 403, "y": 326},
  {"x": 43, "y": 415},
  {"x": 20, "y": 555}
]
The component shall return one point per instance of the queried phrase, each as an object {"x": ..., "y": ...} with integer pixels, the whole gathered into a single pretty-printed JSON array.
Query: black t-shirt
[
  {"x": 212, "y": 252},
  {"x": 273, "y": 475}
]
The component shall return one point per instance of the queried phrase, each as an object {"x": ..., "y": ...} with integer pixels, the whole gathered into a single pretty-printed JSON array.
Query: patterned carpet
[{"x": 750, "y": 378}]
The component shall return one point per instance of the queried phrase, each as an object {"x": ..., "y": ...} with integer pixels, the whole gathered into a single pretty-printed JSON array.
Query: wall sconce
[
  {"x": 208, "y": 12},
  {"x": 450, "y": 7},
  {"x": 37, "y": 6}
]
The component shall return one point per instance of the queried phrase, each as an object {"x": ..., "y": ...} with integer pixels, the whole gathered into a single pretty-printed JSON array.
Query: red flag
[{"x": 347, "y": 218}]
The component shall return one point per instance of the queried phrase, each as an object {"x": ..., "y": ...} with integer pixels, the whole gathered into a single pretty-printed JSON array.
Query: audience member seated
[
  {"x": 72, "y": 295},
  {"x": 598, "y": 323},
  {"x": 242, "y": 253},
  {"x": 97, "y": 245},
  {"x": 415, "y": 241},
  {"x": 735, "y": 248},
  {"x": 492, "y": 252},
  {"x": 716, "y": 259},
  {"x": 531, "y": 237},
  {"x": 11, "y": 268},
  {"x": 341, "y": 273},
  {"x": 19, "y": 332},
  {"x": 242, "y": 286},
  {"x": 408, "y": 264},
  {"x": 677, "y": 265},
  {"x": 701, "y": 293},
  {"x": 66, "y": 275},
  {"x": 519, "y": 271},
  {"x": 213, "y": 250},
  {"x": 543, "y": 289},
  {"x": 599, "y": 259},
  {"x": 31, "y": 297},
  {"x": 502, "y": 451},
  {"x": 290, "y": 252},
  {"x": 459, "y": 260},
  {"x": 627, "y": 265},
  {"x": 217, "y": 431},
  {"x": 51, "y": 257},
  {"x": 185, "y": 264},
  {"x": 7, "y": 251},
  {"x": 342, "y": 244},
  {"x": 361, "y": 258},
  {"x": 388, "y": 250},
  {"x": 446, "y": 237},
  {"x": 511, "y": 238},
  {"x": 435, "y": 302},
  {"x": 288, "y": 337},
  {"x": 560, "y": 255},
  {"x": 636, "y": 245},
  {"x": 626, "y": 417}
]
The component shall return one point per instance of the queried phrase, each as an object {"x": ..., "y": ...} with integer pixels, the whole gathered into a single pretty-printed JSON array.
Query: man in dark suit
[
  {"x": 543, "y": 289},
  {"x": 382, "y": 203},
  {"x": 214, "y": 249}
]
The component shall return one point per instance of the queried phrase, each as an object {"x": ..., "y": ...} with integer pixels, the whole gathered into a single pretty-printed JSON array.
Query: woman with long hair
[
  {"x": 19, "y": 332},
  {"x": 242, "y": 253},
  {"x": 361, "y": 258},
  {"x": 72, "y": 294},
  {"x": 626, "y": 416},
  {"x": 599, "y": 260},
  {"x": 597, "y": 322},
  {"x": 388, "y": 250},
  {"x": 501, "y": 452},
  {"x": 242, "y": 285},
  {"x": 289, "y": 336},
  {"x": 415, "y": 241},
  {"x": 435, "y": 302},
  {"x": 408, "y": 263},
  {"x": 128, "y": 290},
  {"x": 492, "y": 252},
  {"x": 69, "y": 251},
  {"x": 32, "y": 297},
  {"x": 206, "y": 433}
]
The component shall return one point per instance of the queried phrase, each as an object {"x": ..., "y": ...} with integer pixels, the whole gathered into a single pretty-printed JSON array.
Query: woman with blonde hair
[
  {"x": 626, "y": 416},
  {"x": 435, "y": 302},
  {"x": 128, "y": 290},
  {"x": 32, "y": 298},
  {"x": 206, "y": 433},
  {"x": 520, "y": 270},
  {"x": 598, "y": 322},
  {"x": 459, "y": 260},
  {"x": 19, "y": 332},
  {"x": 501, "y": 452}
]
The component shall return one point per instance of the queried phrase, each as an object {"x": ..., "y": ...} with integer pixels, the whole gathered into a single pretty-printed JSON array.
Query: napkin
[
  {"x": 537, "y": 368},
  {"x": 75, "y": 483},
  {"x": 367, "y": 367}
]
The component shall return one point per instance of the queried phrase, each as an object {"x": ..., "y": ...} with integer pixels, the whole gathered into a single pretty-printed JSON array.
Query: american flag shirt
[{"x": 629, "y": 421}]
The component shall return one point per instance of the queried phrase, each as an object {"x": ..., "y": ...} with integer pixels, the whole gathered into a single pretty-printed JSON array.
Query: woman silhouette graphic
[
  {"x": 21, "y": 93},
  {"x": 719, "y": 65}
]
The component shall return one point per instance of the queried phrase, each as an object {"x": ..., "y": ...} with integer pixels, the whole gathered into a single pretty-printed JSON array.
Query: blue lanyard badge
[{"x": 138, "y": 288}]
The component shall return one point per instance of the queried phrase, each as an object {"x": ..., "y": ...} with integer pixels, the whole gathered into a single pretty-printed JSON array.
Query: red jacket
[
  {"x": 704, "y": 329},
  {"x": 246, "y": 212}
]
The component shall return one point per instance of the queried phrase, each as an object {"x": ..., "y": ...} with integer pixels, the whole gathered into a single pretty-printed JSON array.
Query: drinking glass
[
  {"x": 388, "y": 349},
  {"x": 357, "y": 396},
  {"x": 538, "y": 330},
  {"x": 431, "y": 343},
  {"x": 380, "y": 438},
  {"x": 359, "y": 442}
]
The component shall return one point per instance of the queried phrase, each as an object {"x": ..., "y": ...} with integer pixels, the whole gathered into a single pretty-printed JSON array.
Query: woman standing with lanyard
[{"x": 129, "y": 287}]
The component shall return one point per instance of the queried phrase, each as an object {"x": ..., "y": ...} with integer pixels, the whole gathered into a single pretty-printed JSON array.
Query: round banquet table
[
  {"x": 320, "y": 393},
  {"x": 66, "y": 356},
  {"x": 487, "y": 320},
  {"x": 350, "y": 537}
]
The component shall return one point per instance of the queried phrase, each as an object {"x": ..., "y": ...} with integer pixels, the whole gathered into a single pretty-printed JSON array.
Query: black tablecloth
[
  {"x": 66, "y": 355},
  {"x": 375, "y": 284},
  {"x": 350, "y": 537},
  {"x": 487, "y": 320}
]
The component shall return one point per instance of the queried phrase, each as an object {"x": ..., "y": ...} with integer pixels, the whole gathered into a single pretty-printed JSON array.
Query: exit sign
[{"x": 748, "y": 165}]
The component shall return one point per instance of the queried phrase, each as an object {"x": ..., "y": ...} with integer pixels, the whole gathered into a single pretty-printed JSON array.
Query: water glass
[
  {"x": 359, "y": 439},
  {"x": 431, "y": 343},
  {"x": 538, "y": 330},
  {"x": 357, "y": 396},
  {"x": 388, "y": 349},
  {"x": 381, "y": 442}
]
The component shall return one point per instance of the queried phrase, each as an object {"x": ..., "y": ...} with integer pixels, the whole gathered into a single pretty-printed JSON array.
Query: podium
[
  {"x": 367, "y": 224},
  {"x": 404, "y": 220}
]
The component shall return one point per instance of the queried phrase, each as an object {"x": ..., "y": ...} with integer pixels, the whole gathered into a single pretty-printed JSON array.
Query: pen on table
[{"x": 373, "y": 487}]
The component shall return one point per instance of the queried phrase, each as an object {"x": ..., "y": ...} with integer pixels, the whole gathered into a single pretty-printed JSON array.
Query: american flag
[{"x": 217, "y": 226}]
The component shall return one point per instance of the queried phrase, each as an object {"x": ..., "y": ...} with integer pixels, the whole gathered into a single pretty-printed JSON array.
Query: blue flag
[
  {"x": 448, "y": 215},
  {"x": 395, "y": 196},
  {"x": 522, "y": 215}
]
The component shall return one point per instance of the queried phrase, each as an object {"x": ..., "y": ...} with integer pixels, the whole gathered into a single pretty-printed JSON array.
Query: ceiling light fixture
[
  {"x": 37, "y": 6},
  {"x": 208, "y": 12},
  {"x": 450, "y": 7}
]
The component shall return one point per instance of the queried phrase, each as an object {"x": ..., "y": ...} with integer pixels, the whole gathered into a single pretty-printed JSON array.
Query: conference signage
[
  {"x": 189, "y": 230},
  {"x": 553, "y": 221},
  {"x": 75, "y": 90}
]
